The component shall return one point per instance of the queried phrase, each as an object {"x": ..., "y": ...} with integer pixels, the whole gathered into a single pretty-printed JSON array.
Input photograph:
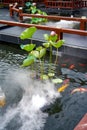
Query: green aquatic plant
[
  {"x": 36, "y": 20},
  {"x": 27, "y": 7},
  {"x": 52, "y": 41},
  {"x": 32, "y": 9},
  {"x": 39, "y": 53},
  {"x": 57, "y": 44},
  {"x": 33, "y": 53},
  {"x": 26, "y": 34}
]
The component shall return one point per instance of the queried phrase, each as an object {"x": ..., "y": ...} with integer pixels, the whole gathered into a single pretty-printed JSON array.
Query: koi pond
[{"x": 35, "y": 105}]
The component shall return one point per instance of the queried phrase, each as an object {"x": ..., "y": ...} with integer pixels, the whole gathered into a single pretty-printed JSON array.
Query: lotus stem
[{"x": 56, "y": 60}]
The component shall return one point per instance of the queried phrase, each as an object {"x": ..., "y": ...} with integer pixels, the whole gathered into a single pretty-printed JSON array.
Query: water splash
[{"x": 36, "y": 95}]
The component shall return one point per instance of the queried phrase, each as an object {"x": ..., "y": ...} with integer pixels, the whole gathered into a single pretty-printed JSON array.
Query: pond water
[{"x": 33, "y": 105}]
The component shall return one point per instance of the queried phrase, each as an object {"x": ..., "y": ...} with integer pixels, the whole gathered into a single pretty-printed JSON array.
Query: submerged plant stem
[
  {"x": 50, "y": 59},
  {"x": 56, "y": 60}
]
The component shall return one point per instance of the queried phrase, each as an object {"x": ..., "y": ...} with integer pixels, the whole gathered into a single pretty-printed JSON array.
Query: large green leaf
[
  {"x": 51, "y": 74},
  {"x": 57, "y": 80},
  {"x": 42, "y": 52},
  {"x": 28, "y": 61},
  {"x": 53, "y": 38},
  {"x": 44, "y": 13},
  {"x": 35, "y": 20},
  {"x": 35, "y": 53},
  {"x": 39, "y": 53},
  {"x": 33, "y": 9},
  {"x": 47, "y": 44},
  {"x": 28, "y": 33},
  {"x": 28, "y": 47},
  {"x": 39, "y": 11},
  {"x": 45, "y": 20},
  {"x": 28, "y": 4},
  {"x": 58, "y": 44},
  {"x": 46, "y": 37},
  {"x": 50, "y": 37},
  {"x": 39, "y": 48},
  {"x": 44, "y": 77}
]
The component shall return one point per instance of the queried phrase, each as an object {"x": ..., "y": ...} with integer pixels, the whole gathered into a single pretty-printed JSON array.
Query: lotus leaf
[
  {"x": 28, "y": 33},
  {"x": 28, "y": 61},
  {"x": 57, "y": 80},
  {"x": 58, "y": 44},
  {"x": 28, "y": 47}
]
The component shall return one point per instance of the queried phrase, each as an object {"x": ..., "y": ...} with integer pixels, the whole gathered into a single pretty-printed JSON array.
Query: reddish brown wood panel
[
  {"x": 20, "y": 1},
  {"x": 82, "y": 125},
  {"x": 70, "y": 4}
]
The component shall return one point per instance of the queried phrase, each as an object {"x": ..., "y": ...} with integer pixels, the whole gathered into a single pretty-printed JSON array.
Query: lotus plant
[
  {"x": 26, "y": 34},
  {"x": 31, "y": 8},
  {"x": 40, "y": 52},
  {"x": 52, "y": 41},
  {"x": 33, "y": 53}
]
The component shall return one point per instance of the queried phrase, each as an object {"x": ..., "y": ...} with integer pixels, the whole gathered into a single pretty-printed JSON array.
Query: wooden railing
[
  {"x": 59, "y": 31},
  {"x": 66, "y": 4},
  {"x": 84, "y": 3},
  {"x": 59, "y": 4},
  {"x": 20, "y": 2},
  {"x": 52, "y": 3},
  {"x": 7, "y": 2},
  {"x": 82, "y": 20}
]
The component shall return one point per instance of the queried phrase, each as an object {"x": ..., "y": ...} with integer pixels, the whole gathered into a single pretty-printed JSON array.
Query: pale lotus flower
[
  {"x": 34, "y": 4},
  {"x": 52, "y": 33}
]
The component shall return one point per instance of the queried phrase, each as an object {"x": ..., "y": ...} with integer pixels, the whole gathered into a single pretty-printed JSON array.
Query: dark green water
[{"x": 64, "y": 113}]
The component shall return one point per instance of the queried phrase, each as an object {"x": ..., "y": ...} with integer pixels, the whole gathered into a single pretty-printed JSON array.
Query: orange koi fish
[
  {"x": 82, "y": 65},
  {"x": 72, "y": 66},
  {"x": 82, "y": 90},
  {"x": 2, "y": 98},
  {"x": 2, "y": 102},
  {"x": 63, "y": 86}
]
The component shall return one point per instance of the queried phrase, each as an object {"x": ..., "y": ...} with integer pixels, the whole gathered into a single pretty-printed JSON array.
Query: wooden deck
[{"x": 82, "y": 125}]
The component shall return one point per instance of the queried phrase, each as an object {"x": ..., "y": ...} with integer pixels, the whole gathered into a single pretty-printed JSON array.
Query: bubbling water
[{"x": 36, "y": 95}]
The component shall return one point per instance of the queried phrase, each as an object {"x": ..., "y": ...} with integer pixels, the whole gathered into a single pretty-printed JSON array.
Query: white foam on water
[
  {"x": 63, "y": 24},
  {"x": 36, "y": 95},
  {"x": 7, "y": 117}
]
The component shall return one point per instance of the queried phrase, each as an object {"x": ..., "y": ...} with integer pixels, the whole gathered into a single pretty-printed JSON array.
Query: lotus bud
[
  {"x": 52, "y": 33},
  {"x": 34, "y": 4}
]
